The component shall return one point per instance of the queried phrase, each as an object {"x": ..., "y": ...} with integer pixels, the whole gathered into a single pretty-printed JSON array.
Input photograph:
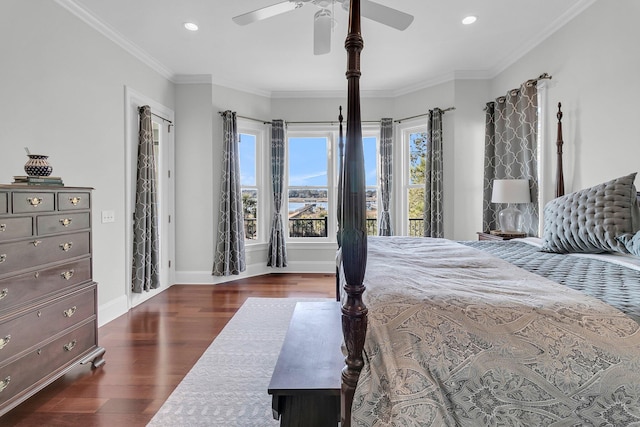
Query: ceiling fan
[{"x": 323, "y": 18}]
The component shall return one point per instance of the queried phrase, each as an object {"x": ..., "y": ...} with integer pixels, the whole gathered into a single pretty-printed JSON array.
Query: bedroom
[{"x": 594, "y": 75}]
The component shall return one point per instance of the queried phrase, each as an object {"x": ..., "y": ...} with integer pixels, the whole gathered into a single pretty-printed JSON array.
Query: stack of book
[{"x": 37, "y": 180}]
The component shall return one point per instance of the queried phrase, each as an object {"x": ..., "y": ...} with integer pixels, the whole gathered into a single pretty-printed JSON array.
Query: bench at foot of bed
[{"x": 305, "y": 384}]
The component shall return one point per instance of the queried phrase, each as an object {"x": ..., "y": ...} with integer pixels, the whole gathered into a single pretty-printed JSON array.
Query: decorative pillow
[
  {"x": 589, "y": 220},
  {"x": 631, "y": 242}
]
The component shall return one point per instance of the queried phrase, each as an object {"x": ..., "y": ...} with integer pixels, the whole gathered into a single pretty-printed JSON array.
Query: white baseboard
[
  {"x": 113, "y": 309},
  {"x": 206, "y": 278}
]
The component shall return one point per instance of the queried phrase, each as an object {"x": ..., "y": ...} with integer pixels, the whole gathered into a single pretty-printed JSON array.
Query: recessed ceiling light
[
  {"x": 191, "y": 26},
  {"x": 469, "y": 20}
]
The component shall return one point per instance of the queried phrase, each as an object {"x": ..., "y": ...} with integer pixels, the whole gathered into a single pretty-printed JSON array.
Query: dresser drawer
[
  {"x": 69, "y": 201},
  {"x": 46, "y": 361},
  {"x": 4, "y": 202},
  {"x": 15, "y": 227},
  {"x": 42, "y": 250},
  {"x": 29, "y": 202},
  {"x": 27, "y": 330},
  {"x": 32, "y": 286},
  {"x": 49, "y": 224}
]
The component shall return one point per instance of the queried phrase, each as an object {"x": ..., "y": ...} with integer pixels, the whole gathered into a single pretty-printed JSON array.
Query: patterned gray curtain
[
  {"x": 229, "y": 255},
  {"x": 433, "y": 192},
  {"x": 277, "y": 248},
  {"x": 511, "y": 151},
  {"x": 386, "y": 169},
  {"x": 146, "y": 264}
]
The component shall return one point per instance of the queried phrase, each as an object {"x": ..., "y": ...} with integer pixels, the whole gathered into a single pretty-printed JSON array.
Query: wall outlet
[{"x": 108, "y": 216}]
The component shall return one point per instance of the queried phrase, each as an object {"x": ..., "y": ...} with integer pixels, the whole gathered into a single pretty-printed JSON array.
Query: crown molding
[
  {"x": 544, "y": 34},
  {"x": 192, "y": 79},
  {"x": 113, "y": 35}
]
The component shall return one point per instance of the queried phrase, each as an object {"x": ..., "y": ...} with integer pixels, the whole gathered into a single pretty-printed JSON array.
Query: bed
[{"x": 438, "y": 332}]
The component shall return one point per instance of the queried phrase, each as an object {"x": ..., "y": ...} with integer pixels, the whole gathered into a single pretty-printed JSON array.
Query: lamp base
[{"x": 510, "y": 220}]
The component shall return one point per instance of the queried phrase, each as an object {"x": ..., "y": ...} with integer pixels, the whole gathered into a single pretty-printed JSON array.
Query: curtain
[
  {"x": 511, "y": 151},
  {"x": 386, "y": 169},
  {"x": 433, "y": 191},
  {"x": 229, "y": 254},
  {"x": 277, "y": 255},
  {"x": 146, "y": 259}
]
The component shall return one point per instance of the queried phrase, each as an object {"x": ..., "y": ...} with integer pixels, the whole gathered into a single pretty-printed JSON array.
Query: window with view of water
[
  {"x": 308, "y": 187},
  {"x": 416, "y": 180},
  {"x": 248, "y": 183}
]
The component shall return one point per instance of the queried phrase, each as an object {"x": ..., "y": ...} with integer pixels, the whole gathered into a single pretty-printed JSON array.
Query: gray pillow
[
  {"x": 631, "y": 242},
  {"x": 588, "y": 221}
]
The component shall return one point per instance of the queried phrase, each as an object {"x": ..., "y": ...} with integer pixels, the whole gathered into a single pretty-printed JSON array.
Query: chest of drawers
[{"x": 48, "y": 299}]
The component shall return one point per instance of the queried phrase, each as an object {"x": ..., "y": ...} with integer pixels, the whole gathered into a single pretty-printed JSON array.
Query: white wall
[{"x": 62, "y": 86}]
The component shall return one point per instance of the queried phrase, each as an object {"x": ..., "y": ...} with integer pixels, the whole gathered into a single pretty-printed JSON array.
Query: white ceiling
[{"x": 274, "y": 57}]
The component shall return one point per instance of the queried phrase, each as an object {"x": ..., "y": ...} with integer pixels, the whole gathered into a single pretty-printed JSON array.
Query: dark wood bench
[{"x": 305, "y": 384}]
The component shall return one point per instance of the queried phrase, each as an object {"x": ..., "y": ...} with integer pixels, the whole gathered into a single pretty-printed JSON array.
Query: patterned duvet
[{"x": 459, "y": 337}]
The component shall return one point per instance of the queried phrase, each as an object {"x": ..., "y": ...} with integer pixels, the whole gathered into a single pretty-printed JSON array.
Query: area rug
[{"x": 228, "y": 385}]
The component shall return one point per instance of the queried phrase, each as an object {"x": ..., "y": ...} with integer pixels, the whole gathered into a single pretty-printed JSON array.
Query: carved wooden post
[
  {"x": 354, "y": 235},
  {"x": 339, "y": 208},
  {"x": 559, "y": 142}
]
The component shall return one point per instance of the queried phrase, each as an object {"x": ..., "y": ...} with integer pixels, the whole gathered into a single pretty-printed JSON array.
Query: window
[
  {"x": 308, "y": 186},
  {"x": 415, "y": 149},
  {"x": 370, "y": 145},
  {"x": 248, "y": 185}
]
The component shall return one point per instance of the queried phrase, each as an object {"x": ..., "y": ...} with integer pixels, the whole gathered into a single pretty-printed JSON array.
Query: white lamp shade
[{"x": 511, "y": 191}]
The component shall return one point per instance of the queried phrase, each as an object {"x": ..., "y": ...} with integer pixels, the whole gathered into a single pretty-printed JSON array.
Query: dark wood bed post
[
  {"x": 559, "y": 142},
  {"x": 354, "y": 235},
  {"x": 339, "y": 207}
]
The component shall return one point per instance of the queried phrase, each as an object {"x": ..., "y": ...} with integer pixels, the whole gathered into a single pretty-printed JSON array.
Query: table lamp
[{"x": 510, "y": 191}]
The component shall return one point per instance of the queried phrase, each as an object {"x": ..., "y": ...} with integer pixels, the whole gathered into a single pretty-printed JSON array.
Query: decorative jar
[{"x": 38, "y": 165}]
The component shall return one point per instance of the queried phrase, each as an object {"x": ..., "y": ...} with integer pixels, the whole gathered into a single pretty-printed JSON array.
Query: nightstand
[{"x": 498, "y": 235}]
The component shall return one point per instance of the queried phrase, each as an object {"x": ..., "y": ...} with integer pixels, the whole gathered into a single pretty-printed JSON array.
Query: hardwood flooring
[{"x": 150, "y": 350}]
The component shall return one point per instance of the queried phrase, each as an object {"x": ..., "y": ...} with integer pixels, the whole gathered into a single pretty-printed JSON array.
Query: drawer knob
[
  {"x": 69, "y": 346},
  {"x": 3, "y": 227},
  {"x": 4, "y": 341},
  {"x": 4, "y": 293},
  {"x": 3, "y": 258},
  {"x": 67, "y": 274},
  {"x": 4, "y": 383},
  {"x": 36, "y": 242},
  {"x": 34, "y": 201},
  {"x": 74, "y": 200},
  {"x": 70, "y": 312},
  {"x": 66, "y": 246},
  {"x": 65, "y": 222}
]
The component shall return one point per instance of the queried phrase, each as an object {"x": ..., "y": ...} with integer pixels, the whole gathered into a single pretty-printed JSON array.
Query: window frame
[
  {"x": 263, "y": 182},
  {"x": 405, "y": 129},
  {"x": 313, "y": 131}
]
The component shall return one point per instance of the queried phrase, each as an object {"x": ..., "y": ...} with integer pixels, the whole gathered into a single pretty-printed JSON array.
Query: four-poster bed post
[
  {"x": 559, "y": 142},
  {"x": 353, "y": 226}
]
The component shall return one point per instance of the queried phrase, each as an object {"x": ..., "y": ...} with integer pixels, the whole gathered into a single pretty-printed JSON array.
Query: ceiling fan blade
[
  {"x": 266, "y": 12},
  {"x": 322, "y": 22},
  {"x": 385, "y": 15}
]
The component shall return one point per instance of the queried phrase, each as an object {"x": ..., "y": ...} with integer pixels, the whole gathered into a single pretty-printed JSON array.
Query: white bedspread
[{"x": 458, "y": 337}]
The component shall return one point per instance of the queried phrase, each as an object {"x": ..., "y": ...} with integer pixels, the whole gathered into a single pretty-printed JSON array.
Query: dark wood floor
[{"x": 150, "y": 350}]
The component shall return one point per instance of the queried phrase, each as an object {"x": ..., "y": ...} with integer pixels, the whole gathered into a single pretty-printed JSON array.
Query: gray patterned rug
[{"x": 228, "y": 385}]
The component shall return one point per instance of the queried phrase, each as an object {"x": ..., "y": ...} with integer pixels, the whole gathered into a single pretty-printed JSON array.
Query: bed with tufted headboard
[{"x": 438, "y": 332}]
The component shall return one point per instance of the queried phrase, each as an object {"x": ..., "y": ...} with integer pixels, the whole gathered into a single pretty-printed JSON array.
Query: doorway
[{"x": 164, "y": 148}]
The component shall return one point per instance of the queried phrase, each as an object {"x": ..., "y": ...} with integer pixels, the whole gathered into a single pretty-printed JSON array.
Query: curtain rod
[
  {"x": 162, "y": 118},
  {"x": 268, "y": 122},
  {"x": 528, "y": 83},
  {"x": 422, "y": 115}
]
